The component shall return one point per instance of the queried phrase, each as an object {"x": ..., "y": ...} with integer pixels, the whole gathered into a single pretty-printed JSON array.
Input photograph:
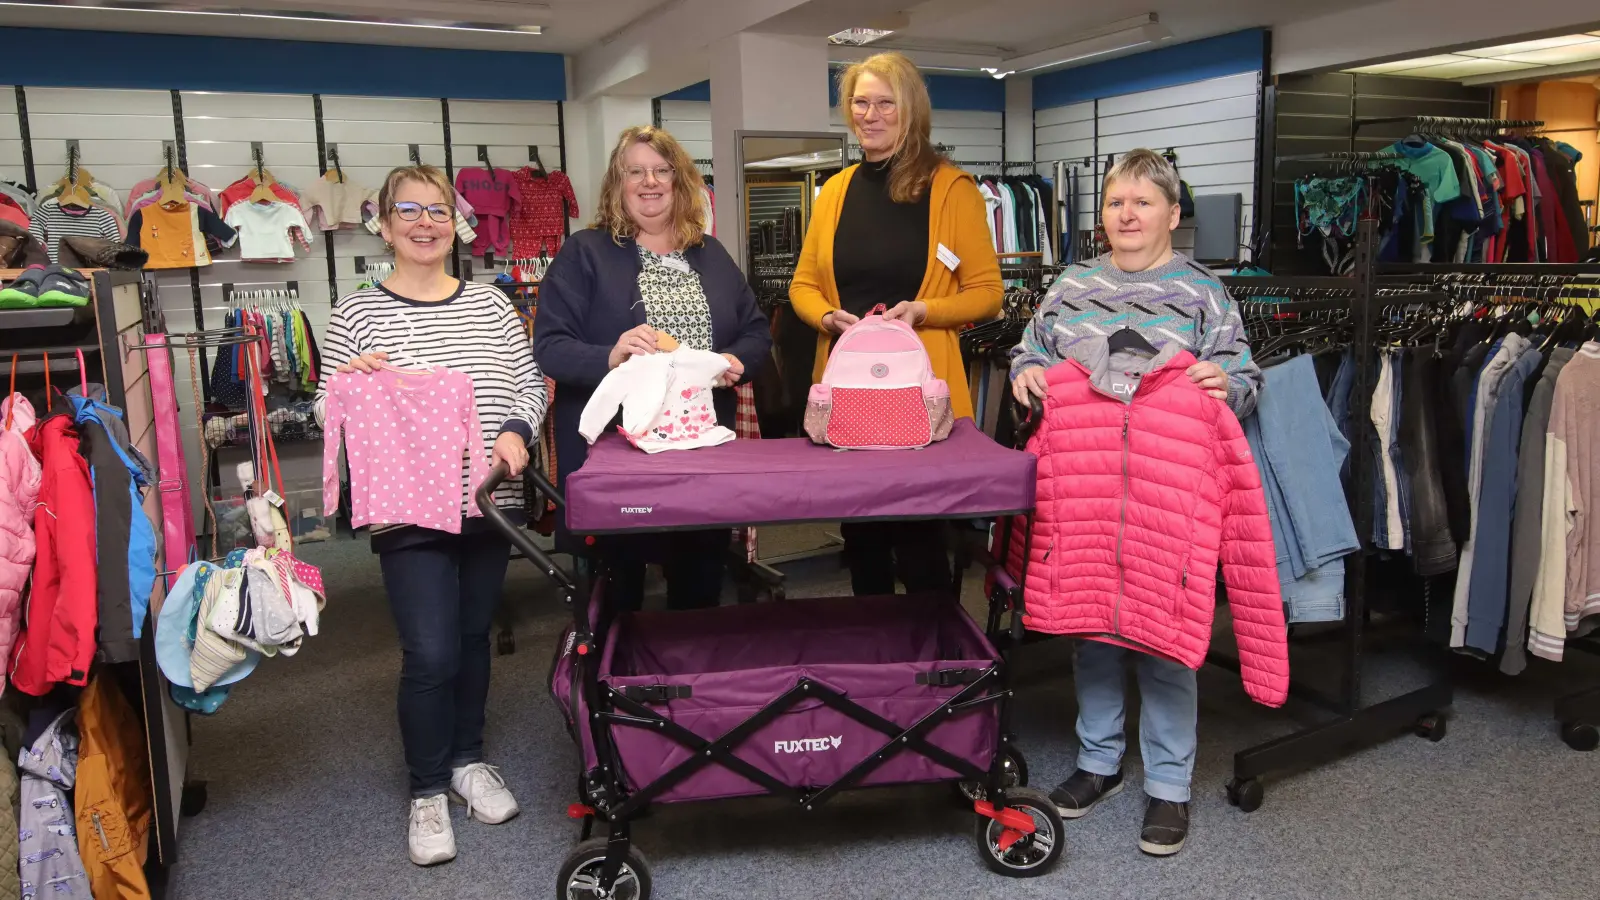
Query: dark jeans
[
  {"x": 443, "y": 591},
  {"x": 692, "y": 561},
  {"x": 878, "y": 552}
]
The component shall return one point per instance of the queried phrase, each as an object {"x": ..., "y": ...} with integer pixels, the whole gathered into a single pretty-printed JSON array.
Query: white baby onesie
[{"x": 665, "y": 399}]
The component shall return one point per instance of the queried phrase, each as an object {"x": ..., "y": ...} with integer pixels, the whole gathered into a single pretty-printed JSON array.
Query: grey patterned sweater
[{"x": 1181, "y": 301}]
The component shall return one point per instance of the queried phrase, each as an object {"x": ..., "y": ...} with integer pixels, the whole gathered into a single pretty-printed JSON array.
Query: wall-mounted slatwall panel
[
  {"x": 1211, "y": 125},
  {"x": 119, "y": 133},
  {"x": 373, "y": 135},
  {"x": 1316, "y": 114},
  {"x": 1067, "y": 133},
  {"x": 506, "y": 128},
  {"x": 11, "y": 166},
  {"x": 690, "y": 122}
]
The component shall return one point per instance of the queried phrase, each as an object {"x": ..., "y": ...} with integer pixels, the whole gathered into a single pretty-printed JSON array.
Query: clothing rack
[
  {"x": 1577, "y": 713},
  {"x": 1356, "y": 724},
  {"x": 1453, "y": 124}
]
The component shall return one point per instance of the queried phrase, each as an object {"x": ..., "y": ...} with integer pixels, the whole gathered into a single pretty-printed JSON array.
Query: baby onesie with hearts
[{"x": 665, "y": 400}]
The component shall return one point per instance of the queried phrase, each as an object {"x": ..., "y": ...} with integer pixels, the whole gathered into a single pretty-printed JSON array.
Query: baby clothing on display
[
  {"x": 665, "y": 400},
  {"x": 404, "y": 433}
]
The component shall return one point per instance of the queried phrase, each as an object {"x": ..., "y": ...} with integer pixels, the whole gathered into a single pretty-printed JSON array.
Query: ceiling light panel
[
  {"x": 1390, "y": 68},
  {"x": 1466, "y": 67},
  {"x": 1529, "y": 46},
  {"x": 1557, "y": 56}
]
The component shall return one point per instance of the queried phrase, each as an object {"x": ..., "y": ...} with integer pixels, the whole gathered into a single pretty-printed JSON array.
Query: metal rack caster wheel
[
  {"x": 1432, "y": 727},
  {"x": 193, "y": 801},
  {"x": 1246, "y": 794},
  {"x": 1024, "y": 855},
  {"x": 1580, "y": 736},
  {"x": 1016, "y": 775},
  {"x": 579, "y": 878},
  {"x": 505, "y": 643}
]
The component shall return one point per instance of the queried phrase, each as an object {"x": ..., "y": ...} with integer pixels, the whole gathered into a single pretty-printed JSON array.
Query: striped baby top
[{"x": 1179, "y": 302}]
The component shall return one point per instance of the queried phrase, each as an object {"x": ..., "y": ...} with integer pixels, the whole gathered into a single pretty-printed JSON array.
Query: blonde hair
[
  {"x": 688, "y": 218},
  {"x": 1147, "y": 164},
  {"x": 914, "y": 159},
  {"x": 431, "y": 176}
]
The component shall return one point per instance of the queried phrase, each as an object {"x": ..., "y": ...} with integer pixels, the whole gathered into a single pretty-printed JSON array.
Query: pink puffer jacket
[
  {"x": 1136, "y": 503},
  {"x": 19, "y": 490}
]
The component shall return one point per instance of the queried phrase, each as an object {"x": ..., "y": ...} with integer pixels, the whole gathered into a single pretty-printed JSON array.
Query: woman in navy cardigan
[{"x": 645, "y": 266}]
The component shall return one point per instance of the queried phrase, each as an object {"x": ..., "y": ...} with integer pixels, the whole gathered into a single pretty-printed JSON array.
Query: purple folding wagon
[{"x": 798, "y": 699}]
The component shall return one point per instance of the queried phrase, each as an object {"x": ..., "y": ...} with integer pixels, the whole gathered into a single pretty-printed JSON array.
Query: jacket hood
[
  {"x": 20, "y": 411},
  {"x": 1096, "y": 357},
  {"x": 54, "y": 756}
]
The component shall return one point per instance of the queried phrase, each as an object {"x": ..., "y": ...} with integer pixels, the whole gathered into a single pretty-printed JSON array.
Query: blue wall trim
[
  {"x": 946, "y": 91},
  {"x": 105, "y": 59},
  {"x": 1228, "y": 54},
  {"x": 701, "y": 92}
]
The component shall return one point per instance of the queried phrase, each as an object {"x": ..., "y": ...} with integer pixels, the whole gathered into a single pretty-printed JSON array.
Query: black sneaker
[
  {"x": 1080, "y": 793},
  {"x": 1166, "y": 826}
]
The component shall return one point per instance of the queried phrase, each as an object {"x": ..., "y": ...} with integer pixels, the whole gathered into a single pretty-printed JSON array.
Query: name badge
[
  {"x": 949, "y": 259},
  {"x": 676, "y": 264}
]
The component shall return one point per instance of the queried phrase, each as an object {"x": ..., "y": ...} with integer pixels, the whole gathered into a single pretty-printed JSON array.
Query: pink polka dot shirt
[{"x": 404, "y": 433}]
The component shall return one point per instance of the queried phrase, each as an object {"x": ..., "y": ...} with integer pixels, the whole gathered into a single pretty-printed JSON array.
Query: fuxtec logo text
[
  {"x": 808, "y": 745},
  {"x": 637, "y": 510}
]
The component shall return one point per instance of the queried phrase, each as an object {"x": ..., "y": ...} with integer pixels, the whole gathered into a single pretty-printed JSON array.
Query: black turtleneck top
[{"x": 880, "y": 249}]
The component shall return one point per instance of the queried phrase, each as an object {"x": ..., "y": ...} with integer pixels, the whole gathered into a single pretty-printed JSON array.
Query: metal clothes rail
[{"x": 1356, "y": 724}]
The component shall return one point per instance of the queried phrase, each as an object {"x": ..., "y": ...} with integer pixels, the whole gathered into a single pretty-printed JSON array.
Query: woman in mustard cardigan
[{"x": 906, "y": 229}]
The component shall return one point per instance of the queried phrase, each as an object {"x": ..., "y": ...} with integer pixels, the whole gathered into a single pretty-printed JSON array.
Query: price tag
[{"x": 273, "y": 498}]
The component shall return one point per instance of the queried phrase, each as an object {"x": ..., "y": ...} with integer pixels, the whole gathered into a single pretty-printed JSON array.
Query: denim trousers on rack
[
  {"x": 1169, "y": 707},
  {"x": 1299, "y": 452}
]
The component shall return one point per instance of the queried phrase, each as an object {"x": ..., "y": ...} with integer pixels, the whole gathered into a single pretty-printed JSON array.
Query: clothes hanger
[
  {"x": 263, "y": 181},
  {"x": 403, "y": 362},
  {"x": 335, "y": 173}
]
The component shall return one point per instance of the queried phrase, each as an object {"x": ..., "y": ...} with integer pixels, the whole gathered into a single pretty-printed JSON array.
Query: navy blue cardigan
[{"x": 590, "y": 296}]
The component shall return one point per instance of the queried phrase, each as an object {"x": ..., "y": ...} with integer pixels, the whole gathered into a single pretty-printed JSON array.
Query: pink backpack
[{"x": 878, "y": 391}]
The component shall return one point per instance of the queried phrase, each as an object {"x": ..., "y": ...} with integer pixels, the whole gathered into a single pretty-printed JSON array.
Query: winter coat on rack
[
  {"x": 59, "y": 641},
  {"x": 1137, "y": 500},
  {"x": 51, "y": 866},
  {"x": 19, "y": 490},
  {"x": 113, "y": 796},
  {"x": 124, "y": 537}
]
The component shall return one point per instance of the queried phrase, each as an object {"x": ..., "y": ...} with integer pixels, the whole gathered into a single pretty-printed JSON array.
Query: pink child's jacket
[
  {"x": 19, "y": 491},
  {"x": 1136, "y": 504}
]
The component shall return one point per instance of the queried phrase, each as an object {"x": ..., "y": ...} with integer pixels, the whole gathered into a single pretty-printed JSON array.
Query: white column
[
  {"x": 1019, "y": 119},
  {"x": 760, "y": 82},
  {"x": 592, "y": 129}
]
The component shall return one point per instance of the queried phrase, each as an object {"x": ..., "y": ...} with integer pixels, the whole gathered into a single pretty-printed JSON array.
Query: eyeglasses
[
  {"x": 636, "y": 174},
  {"x": 411, "y": 212},
  {"x": 861, "y": 105}
]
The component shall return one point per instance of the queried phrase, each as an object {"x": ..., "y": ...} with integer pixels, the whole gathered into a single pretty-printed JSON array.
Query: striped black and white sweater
[{"x": 476, "y": 332}]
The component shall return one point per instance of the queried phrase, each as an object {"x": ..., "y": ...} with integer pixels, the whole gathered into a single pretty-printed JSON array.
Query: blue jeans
[
  {"x": 1169, "y": 708},
  {"x": 443, "y": 594}
]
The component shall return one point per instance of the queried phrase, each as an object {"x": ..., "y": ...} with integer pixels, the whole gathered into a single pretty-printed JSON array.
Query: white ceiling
[
  {"x": 1524, "y": 60},
  {"x": 569, "y": 25}
]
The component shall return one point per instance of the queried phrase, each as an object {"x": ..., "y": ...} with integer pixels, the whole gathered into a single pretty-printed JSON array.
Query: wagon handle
[
  {"x": 1028, "y": 420},
  {"x": 517, "y": 536}
]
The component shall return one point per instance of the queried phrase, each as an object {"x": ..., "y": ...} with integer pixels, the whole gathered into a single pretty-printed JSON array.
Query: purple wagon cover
[{"x": 755, "y": 482}]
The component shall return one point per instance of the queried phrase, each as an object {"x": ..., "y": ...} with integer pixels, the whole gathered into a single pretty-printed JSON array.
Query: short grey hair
[{"x": 1143, "y": 163}]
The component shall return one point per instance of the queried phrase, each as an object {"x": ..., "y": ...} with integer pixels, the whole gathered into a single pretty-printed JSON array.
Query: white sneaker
[
  {"x": 484, "y": 792},
  {"x": 431, "y": 839}
]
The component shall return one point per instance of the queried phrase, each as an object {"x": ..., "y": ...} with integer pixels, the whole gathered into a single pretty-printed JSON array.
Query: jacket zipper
[
  {"x": 1122, "y": 527},
  {"x": 105, "y": 845}
]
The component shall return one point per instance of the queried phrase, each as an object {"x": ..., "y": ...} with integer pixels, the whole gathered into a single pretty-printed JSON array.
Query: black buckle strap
[
  {"x": 658, "y": 693},
  {"x": 949, "y": 677}
]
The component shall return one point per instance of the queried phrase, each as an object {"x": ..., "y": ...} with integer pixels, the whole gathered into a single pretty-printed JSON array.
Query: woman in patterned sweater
[{"x": 646, "y": 269}]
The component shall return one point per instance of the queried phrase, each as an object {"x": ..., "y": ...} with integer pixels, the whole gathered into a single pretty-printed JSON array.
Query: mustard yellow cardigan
[{"x": 971, "y": 293}]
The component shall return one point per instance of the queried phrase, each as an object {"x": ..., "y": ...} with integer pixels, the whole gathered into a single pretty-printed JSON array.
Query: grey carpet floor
[{"x": 308, "y": 799}]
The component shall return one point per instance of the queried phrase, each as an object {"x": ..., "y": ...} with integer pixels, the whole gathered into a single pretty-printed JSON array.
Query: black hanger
[
  {"x": 533, "y": 157},
  {"x": 1128, "y": 339}
]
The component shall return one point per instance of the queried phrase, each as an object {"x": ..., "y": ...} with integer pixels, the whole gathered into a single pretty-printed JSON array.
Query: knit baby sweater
[
  {"x": 1179, "y": 301},
  {"x": 665, "y": 400}
]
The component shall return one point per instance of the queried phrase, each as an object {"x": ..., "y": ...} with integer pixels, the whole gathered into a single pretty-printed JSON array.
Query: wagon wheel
[
  {"x": 1016, "y": 775},
  {"x": 1018, "y": 855},
  {"x": 579, "y": 878}
]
